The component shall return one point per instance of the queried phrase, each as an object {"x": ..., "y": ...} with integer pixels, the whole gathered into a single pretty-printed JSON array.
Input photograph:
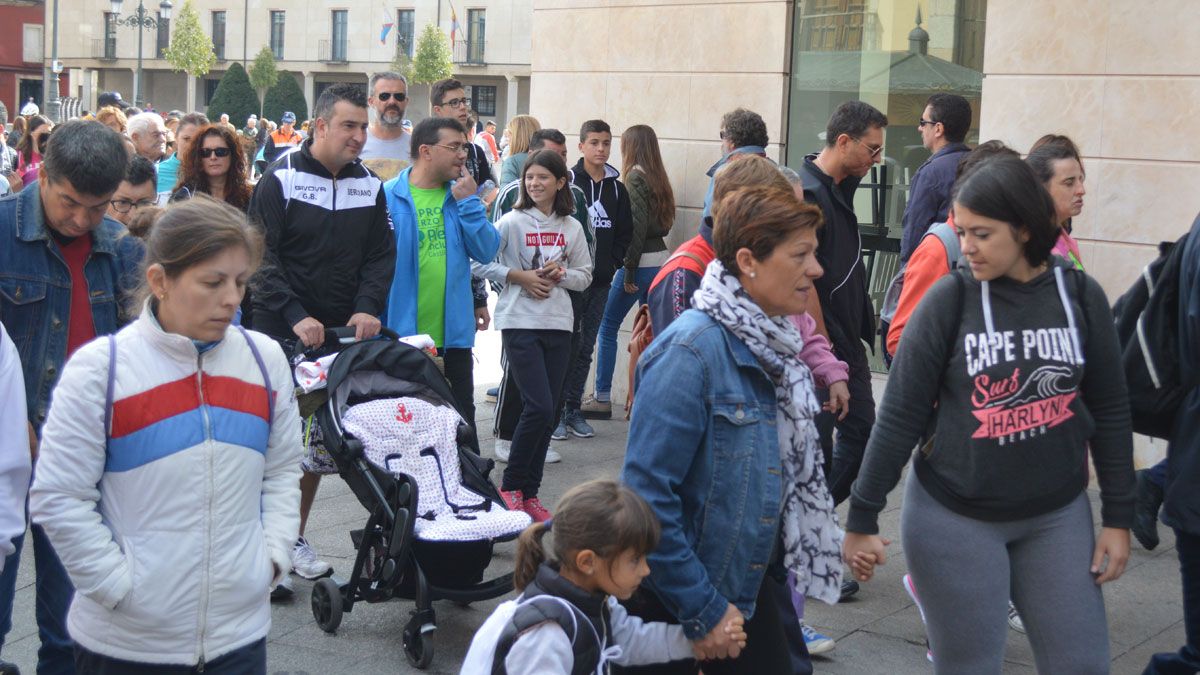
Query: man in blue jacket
[
  {"x": 439, "y": 222},
  {"x": 943, "y": 126},
  {"x": 1181, "y": 505},
  {"x": 66, "y": 271}
]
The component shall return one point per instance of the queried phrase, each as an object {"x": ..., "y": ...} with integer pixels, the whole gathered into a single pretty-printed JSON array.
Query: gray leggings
[{"x": 965, "y": 570}]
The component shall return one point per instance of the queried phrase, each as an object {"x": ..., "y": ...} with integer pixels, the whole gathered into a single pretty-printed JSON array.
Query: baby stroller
[{"x": 434, "y": 514}]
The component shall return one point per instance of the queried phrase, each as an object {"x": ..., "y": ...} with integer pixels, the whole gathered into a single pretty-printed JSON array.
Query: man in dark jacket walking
[
  {"x": 943, "y": 126},
  {"x": 1181, "y": 506},
  {"x": 329, "y": 259},
  {"x": 841, "y": 306},
  {"x": 612, "y": 220}
]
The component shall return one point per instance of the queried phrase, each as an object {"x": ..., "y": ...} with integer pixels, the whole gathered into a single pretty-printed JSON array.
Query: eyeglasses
[
  {"x": 456, "y": 148},
  {"x": 388, "y": 95},
  {"x": 874, "y": 151},
  {"x": 456, "y": 102},
  {"x": 924, "y": 122},
  {"x": 124, "y": 205},
  {"x": 209, "y": 152}
]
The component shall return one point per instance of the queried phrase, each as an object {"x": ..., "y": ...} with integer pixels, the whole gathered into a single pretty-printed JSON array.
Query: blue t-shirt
[{"x": 168, "y": 173}]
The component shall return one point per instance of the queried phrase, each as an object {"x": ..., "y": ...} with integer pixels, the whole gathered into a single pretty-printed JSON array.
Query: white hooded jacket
[{"x": 175, "y": 525}]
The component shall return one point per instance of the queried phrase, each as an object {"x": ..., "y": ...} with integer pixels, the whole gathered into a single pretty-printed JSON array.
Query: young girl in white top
[
  {"x": 543, "y": 254},
  {"x": 567, "y": 619}
]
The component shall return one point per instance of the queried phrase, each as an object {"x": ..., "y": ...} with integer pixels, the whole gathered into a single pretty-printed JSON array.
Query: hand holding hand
[
  {"x": 365, "y": 325},
  {"x": 631, "y": 287},
  {"x": 537, "y": 285},
  {"x": 862, "y": 552},
  {"x": 1112, "y": 543},
  {"x": 720, "y": 642},
  {"x": 839, "y": 399},
  {"x": 310, "y": 331}
]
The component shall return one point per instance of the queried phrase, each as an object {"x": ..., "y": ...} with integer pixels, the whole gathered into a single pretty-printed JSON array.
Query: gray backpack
[{"x": 891, "y": 299}]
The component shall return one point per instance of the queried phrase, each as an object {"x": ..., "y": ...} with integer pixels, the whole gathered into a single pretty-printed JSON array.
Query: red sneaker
[
  {"x": 513, "y": 500},
  {"x": 533, "y": 506}
]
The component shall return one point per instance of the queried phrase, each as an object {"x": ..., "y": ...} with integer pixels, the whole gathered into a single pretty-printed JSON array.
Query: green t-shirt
[{"x": 431, "y": 263}]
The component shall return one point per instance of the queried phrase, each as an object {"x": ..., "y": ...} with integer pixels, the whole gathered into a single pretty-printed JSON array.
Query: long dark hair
[
  {"x": 1006, "y": 189},
  {"x": 191, "y": 167},
  {"x": 564, "y": 202},
  {"x": 600, "y": 515},
  {"x": 639, "y": 148},
  {"x": 25, "y": 146}
]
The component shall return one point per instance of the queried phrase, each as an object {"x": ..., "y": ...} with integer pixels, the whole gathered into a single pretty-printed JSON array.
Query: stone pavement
[{"x": 878, "y": 632}]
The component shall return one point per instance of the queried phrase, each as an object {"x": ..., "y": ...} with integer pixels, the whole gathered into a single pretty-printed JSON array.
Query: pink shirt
[{"x": 817, "y": 354}]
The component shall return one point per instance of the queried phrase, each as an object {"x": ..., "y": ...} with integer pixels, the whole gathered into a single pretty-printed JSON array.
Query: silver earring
[{"x": 753, "y": 275}]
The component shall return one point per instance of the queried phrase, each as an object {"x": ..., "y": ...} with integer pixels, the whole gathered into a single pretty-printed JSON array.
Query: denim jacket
[
  {"x": 703, "y": 451},
  {"x": 35, "y": 290}
]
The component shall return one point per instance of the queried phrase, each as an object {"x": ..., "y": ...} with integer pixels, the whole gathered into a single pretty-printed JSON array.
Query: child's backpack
[
  {"x": 1147, "y": 318},
  {"x": 891, "y": 299}
]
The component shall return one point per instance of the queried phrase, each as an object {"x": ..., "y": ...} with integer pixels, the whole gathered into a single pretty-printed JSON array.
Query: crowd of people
[{"x": 158, "y": 268}]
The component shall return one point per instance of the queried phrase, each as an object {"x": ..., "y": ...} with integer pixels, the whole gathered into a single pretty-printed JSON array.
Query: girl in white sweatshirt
[{"x": 543, "y": 254}]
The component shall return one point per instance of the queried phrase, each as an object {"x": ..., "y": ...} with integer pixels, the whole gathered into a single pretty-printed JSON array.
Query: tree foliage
[
  {"x": 191, "y": 50},
  {"x": 402, "y": 64},
  {"x": 263, "y": 74},
  {"x": 284, "y": 96},
  {"x": 233, "y": 96},
  {"x": 433, "y": 61}
]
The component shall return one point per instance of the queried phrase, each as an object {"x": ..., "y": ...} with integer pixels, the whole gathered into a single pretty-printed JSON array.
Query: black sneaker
[
  {"x": 284, "y": 591},
  {"x": 1145, "y": 511},
  {"x": 8, "y": 668},
  {"x": 849, "y": 588}
]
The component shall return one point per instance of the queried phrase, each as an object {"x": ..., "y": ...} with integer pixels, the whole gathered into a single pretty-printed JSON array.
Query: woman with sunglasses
[
  {"x": 214, "y": 165},
  {"x": 29, "y": 150}
]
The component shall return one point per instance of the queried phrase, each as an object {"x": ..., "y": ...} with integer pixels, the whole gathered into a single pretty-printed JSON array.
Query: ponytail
[{"x": 530, "y": 555}]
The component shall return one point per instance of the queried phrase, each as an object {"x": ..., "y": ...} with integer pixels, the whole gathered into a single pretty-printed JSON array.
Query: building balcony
[
  {"x": 470, "y": 52},
  {"x": 331, "y": 51},
  {"x": 104, "y": 49}
]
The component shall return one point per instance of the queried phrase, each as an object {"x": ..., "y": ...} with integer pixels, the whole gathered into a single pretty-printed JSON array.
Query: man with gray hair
[
  {"x": 386, "y": 137},
  {"x": 149, "y": 136}
]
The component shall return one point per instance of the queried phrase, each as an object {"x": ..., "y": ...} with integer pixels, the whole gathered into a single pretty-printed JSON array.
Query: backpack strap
[
  {"x": 262, "y": 368},
  {"x": 111, "y": 387},
  {"x": 949, "y": 239},
  {"x": 542, "y": 609}
]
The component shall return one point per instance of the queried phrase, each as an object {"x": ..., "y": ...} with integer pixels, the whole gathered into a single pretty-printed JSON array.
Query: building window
[
  {"x": 163, "y": 39},
  {"x": 833, "y": 25},
  {"x": 341, "y": 22},
  {"x": 277, "y": 33},
  {"x": 110, "y": 35},
  {"x": 483, "y": 99},
  {"x": 210, "y": 88},
  {"x": 218, "y": 34},
  {"x": 31, "y": 46},
  {"x": 405, "y": 28},
  {"x": 476, "y": 35}
]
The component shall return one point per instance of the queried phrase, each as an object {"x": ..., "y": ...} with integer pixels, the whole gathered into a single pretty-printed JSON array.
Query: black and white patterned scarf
[{"x": 812, "y": 538}]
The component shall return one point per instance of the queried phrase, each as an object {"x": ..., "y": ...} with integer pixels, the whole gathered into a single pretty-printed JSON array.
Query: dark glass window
[
  {"x": 483, "y": 99},
  {"x": 277, "y": 17},
  {"x": 163, "y": 39},
  {"x": 110, "y": 35},
  {"x": 405, "y": 31},
  {"x": 218, "y": 34},
  {"x": 341, "y": 22},
  {"x": 476, "y": 35}
]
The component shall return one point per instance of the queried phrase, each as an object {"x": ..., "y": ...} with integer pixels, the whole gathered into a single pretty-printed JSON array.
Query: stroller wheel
[
  {"x": 418, "y": 648},
  {"x": 327, "y": 604}
]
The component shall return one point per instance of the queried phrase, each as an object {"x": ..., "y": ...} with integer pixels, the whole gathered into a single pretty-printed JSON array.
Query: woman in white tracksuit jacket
[{"x": 168, "y": 479}]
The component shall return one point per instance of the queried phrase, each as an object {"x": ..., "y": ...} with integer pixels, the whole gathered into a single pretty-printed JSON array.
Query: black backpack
[{"x": 1147, "y": 318}]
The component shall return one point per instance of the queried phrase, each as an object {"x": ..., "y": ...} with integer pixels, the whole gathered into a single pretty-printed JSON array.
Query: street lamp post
[{"x": 139, "y": 20}]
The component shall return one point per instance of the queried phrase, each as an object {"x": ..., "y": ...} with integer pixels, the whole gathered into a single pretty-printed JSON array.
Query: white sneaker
[
  {"x": 1014, "y": 619},
  {"x": 502, "y": 449},
  {"x": 305, "y": 563}
]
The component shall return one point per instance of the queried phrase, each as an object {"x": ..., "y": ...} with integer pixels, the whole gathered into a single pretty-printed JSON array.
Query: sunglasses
[
  {"x": 387, "y": 96},
  {"x": 209, "y": 152},
  {"x": 925, "y": 122}
]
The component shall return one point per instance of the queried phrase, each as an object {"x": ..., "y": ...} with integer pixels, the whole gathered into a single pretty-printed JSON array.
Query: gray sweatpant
[{"x": 965, "y": 571}]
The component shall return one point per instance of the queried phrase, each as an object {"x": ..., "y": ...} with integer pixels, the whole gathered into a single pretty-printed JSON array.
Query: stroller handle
[{"x": 341, "y": 335}]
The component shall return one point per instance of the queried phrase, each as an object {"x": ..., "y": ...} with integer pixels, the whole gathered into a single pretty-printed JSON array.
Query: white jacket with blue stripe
[{"x": 174, "y": 525}]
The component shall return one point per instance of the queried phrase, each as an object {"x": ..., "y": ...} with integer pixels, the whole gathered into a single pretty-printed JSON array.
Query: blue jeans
[
  {"x": 1187, "y": 660},
  {"x": 615, "y": 310},
  {"x": 56, "y": 654}
]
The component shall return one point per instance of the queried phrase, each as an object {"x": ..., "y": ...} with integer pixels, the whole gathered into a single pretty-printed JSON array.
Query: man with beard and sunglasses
[{"x": 386, "y": 137}]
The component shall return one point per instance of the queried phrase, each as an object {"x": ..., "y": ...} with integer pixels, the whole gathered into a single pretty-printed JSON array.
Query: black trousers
[
  {"x": 460, "y": 371},
  {"x": 767, "y": 637},
  {"x": 843, "y": 458},
  {"x": 537, "y": 361},
  {"x": 248, "y": 660}
]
